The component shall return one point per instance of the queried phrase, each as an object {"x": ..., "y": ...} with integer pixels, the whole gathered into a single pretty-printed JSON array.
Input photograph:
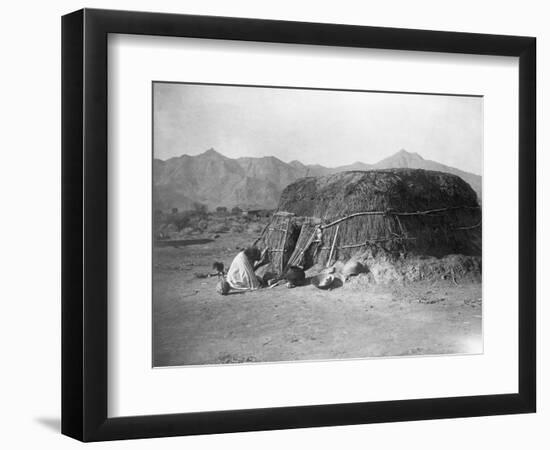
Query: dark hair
[{"x": 253, "y": 254}]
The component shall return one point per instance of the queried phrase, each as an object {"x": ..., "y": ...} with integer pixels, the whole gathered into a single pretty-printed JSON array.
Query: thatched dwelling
[{"x": 399, "y": 211}]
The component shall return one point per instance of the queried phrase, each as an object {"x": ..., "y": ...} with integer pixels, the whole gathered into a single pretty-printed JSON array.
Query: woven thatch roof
[{"x": 345, "y": 193}]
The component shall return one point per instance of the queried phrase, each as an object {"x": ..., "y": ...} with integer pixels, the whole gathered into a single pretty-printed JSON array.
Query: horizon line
[{"x": 319, "y": 165}]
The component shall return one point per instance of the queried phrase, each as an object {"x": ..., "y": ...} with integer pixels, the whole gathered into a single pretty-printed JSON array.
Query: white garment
[{"x": 241, "y": 274}]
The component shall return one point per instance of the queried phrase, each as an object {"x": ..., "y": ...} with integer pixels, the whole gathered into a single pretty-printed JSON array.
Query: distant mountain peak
[
  {"x": 402, "y": 158},
  {"x": 404, "y": 152},
  {"x": 272, "y": 159},
  {"x": 212, "y": 153}
]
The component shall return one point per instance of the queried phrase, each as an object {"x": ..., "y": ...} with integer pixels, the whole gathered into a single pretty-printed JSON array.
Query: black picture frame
[{"x": 84, "y": 224}]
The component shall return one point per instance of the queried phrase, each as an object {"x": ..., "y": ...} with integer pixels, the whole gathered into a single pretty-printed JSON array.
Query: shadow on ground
[{"x": 52, "y": 423}]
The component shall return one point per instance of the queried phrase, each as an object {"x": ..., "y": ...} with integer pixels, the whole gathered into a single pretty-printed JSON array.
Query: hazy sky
[{"x": 330, "y": 128}]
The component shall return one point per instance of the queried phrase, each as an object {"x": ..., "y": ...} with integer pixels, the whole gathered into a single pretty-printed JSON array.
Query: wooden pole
[
  {"x": 284, "y": 246},
  {"x": 333, "y": 244},
  {"x": 396, "y": 213}
]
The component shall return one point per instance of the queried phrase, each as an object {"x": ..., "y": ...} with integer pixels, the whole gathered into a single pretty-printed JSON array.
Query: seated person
[{"x": 241, "y": 274}]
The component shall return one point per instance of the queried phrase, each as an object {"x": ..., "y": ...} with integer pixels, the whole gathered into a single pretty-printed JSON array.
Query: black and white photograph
[{"x": 299, "y": 224}]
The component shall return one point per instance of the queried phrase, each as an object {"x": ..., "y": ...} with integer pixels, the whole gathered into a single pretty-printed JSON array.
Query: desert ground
[{"x": 193, "y": 324}]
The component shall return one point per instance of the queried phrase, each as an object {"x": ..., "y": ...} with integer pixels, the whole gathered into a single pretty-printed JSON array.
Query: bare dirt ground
[{"x": 192, "y": 324}]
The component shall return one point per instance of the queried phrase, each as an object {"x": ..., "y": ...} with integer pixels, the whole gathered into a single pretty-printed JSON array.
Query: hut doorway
[
  {"x": 307, "y": 243},
  {"x": 280, "y": 238}
]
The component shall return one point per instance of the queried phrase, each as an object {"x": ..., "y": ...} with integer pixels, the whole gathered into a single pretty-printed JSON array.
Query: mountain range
[{"x": 215, "y": 180}]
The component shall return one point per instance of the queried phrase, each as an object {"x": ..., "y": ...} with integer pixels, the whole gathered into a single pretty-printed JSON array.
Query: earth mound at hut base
[{"x": 385, "y": 269}]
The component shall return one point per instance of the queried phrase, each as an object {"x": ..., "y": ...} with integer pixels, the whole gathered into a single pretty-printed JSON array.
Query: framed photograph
[{"x": 273, "y": 224}]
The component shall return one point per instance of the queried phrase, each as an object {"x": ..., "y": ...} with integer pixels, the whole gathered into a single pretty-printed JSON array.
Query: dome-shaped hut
[{"x": 402, "y": 211}]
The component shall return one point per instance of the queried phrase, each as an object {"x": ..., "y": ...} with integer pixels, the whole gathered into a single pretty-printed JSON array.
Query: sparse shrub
[
  {"x": 221, "y": 210},
  {"x": 220, "y": 228},
  {"x": 200, "y": 208},
  {"x": 254, "y": 228},
  {"x": 187, "y": 230},
  {"x": 180, "y": 220},
  {"x": 237, "y": 229}
]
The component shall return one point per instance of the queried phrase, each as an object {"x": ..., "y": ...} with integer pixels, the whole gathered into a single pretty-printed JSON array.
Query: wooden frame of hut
[
  {"x": 279, "y": 237},
  {"x": 400, "y": 211}
]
